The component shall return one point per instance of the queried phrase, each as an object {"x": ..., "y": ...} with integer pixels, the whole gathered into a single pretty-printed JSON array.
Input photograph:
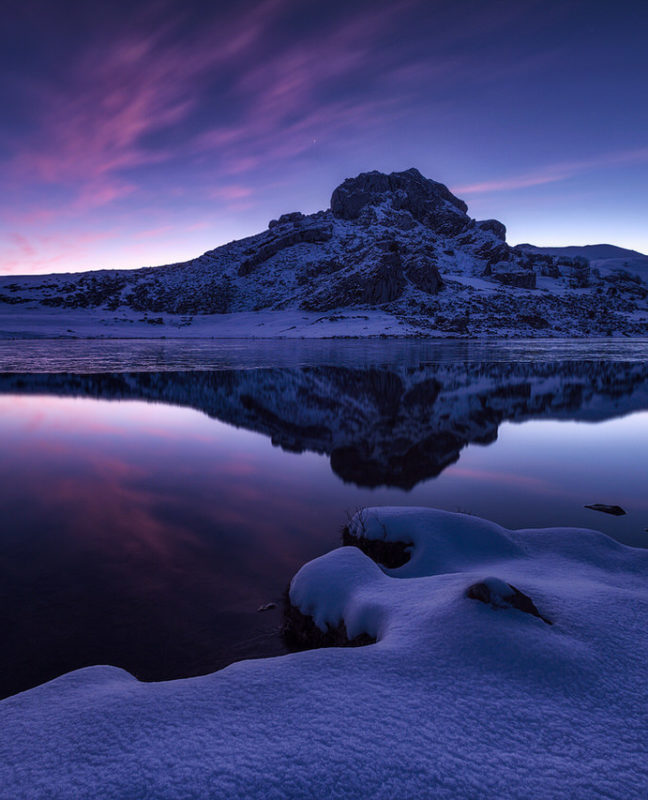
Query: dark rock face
[
  {"x": 424, "y": 274},
  {"x": 579, "y": 273},
  {"x": 392, "y": 242},
  {"x": 294, "y": 216},
  {"x": 389, "y": 554},
  {"x": 429, "y": 202},
  {"x": 534, "y": 321},
  {"x": 381, "y": 284},
  {"x": 295, "y": 233},
  {"x": 386, "y": 284},
  {"x": 493, "y": 253},
  {"x": 494, "y": 226},
  {"x": 550, "y": 270},
  {"x": 300, "y": 632},
  {"x": 498, "y": 594},
  {"x": 507, "y": 274}
]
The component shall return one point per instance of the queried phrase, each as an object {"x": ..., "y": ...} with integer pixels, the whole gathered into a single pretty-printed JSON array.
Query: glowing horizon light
[{"x": 148, "y": 137}]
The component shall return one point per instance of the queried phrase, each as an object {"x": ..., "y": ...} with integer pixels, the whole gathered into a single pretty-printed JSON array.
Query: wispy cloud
[
  {"x": 51, "y": 252},
  {"x": 170, "y": 113},
  {"x": 122, "y": 93},
  {"x": 128, "y": 101},
  {"x": 554, "y": 173}
]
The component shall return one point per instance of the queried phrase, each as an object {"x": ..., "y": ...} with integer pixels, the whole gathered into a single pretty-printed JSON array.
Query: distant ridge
[
  {"x": 608, "y": 259},
  {"x": 590, "y": 251}
]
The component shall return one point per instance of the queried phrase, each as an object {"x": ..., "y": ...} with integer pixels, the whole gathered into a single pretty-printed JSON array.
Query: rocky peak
[
  {"x": 429, "y": 202},
  {"x": 494, "y": 226}
]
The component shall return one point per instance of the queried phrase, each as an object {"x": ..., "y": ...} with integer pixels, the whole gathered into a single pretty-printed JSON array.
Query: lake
[{"x": 156, "y": 494}]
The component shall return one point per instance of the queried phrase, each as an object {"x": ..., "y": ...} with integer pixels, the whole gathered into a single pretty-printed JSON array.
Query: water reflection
[
  {"x": 379, "y": 427},
  {"x": 146, "y": 533}
]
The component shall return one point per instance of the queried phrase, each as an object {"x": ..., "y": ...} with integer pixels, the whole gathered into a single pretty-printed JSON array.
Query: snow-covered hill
[
  {"x": 399, "y": 249},
  {"x": 606, "y": 258}
]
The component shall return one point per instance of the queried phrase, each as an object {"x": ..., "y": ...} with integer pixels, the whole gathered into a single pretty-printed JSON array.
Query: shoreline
[
  {"x": 356, "y": 324},
  {"x": 490, "y": 668}
]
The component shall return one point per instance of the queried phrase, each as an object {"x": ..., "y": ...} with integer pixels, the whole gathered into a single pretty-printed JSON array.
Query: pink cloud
[
  {"x": 152, "y": 233},
  {"x": 232, "y": 192},
  {"x": 120, "y": 93},
  {"x": 55, "y": 252},
  {"x": 287, "y": 111},
  {"x": 555, "y": 172}
]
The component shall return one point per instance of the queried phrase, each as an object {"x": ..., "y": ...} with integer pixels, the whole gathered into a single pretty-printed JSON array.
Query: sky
[{"x": 144, "y": 132}]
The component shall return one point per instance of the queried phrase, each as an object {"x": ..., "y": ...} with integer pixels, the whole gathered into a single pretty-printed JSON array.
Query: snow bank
[
  {"x": 457, "y": 699},
  {"x": 36, "y": 322}
]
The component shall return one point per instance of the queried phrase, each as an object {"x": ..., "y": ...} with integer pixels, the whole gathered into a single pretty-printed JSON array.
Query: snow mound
[{"x": 457, "y": 698}]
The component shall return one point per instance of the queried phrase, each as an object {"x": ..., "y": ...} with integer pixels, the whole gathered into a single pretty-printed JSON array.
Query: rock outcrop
[
  {"x": 429, "y": 202},
  {"x": 400, "y": 243},
  {"x": 289, "y": 230},
  {"x": 494, "y": 226}
]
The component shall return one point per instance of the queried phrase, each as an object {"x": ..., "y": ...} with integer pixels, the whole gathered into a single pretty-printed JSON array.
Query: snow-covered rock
[
  {"x": 400, "y": 244},
  {"x": 456, "y": 699}
]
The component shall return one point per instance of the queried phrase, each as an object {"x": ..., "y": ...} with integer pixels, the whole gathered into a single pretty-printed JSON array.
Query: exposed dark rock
[
  {"x": 390, "y": 554},
  {"x": 493, "y": 253},
  {"x": 280, "y": 241},
  {"x": 424, "y": 274},
  {"x": 382, "y": 284},
  {"x": 493, "y": 225},
  {"x": 429, "y": 202},
  {"x": 550, "y": 270},
  {"x": 392, "y": 241},
  {"x": 294, "y": 216},
  {"x": 498, "y": 594},
  {"x": 616, "y": 511},
  {"x": 506, "y": 274},
  {"x": 316, "y": 269},
  {"x": 577, "y": 269},
  {"x": 386, "y": 283},
  {"x": 301, "y": 633}
]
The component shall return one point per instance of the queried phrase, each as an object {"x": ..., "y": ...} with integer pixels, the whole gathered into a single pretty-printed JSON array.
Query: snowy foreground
[{"x": 458, "y": 699}]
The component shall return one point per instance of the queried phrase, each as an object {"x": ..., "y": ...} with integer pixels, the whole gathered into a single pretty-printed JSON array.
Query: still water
[{"x": 154, "y": 495}]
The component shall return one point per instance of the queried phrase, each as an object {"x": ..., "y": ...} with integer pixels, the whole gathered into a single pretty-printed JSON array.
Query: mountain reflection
[{"x": 379, "y": 427}]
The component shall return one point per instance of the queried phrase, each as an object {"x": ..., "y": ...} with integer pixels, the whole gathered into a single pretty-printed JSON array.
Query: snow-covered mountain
[
  {"x": 398, "y": 244},
  {"x": 606, "y": 258}
]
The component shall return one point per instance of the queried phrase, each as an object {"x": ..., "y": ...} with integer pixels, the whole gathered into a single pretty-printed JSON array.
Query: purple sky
[{"x": 139, "y": 133}]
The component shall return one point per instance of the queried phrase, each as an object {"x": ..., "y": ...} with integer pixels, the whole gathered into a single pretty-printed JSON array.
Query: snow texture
[{"x": 455, "y": 700}]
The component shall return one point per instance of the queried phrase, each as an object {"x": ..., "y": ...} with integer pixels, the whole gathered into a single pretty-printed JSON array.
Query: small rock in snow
[{"x": 499, "y": 594}]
